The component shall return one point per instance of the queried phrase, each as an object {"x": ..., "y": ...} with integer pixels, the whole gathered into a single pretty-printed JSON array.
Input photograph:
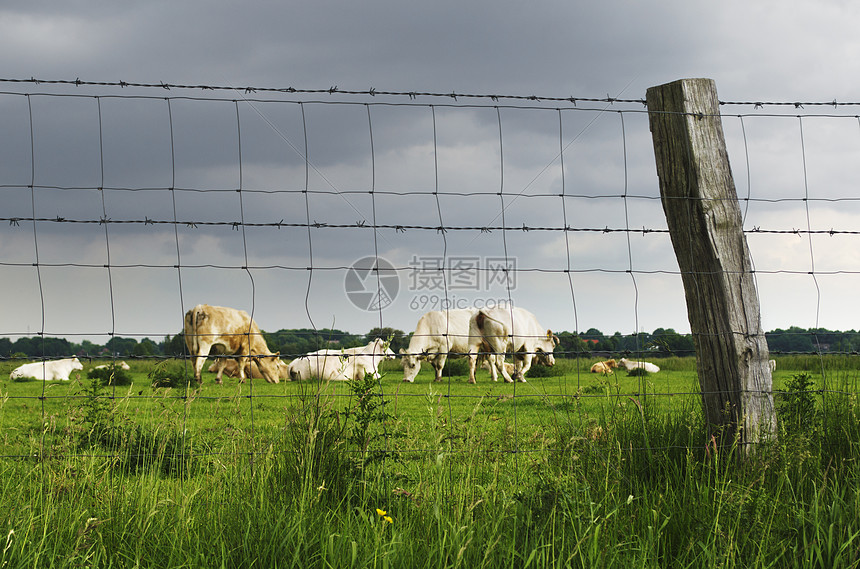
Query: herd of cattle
[{"x": 240, "y": 350}]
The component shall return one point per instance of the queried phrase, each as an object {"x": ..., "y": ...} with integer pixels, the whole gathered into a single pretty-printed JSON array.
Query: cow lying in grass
[
  {"x": 231, "y": 369},
  {"x": 630, "y": 365},
  {"x": 51, "y": 370},
  {"x": 604, "y": 368}
]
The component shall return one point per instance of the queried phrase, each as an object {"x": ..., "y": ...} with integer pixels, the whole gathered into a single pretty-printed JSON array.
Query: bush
[
  {"x": 795, "y": 404},
  {"x": 539, "y": 370},
  {"x": 171, "y": 373},
  {"x": 453, "y": 367},
  {"x": 112, "y": 374}
]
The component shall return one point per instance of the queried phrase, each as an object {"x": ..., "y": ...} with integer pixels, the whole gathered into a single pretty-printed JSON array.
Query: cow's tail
[
  {"x": 480, "y": 319},
  {"x": 193, "y": 319}
]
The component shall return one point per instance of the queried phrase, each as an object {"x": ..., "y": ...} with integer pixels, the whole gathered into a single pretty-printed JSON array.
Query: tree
[
  {"x": 398, "y": 338},
  {"x": 121, "y": 346},
  {"x": 174, "y": 346},
  {"x": 146, "y": 347}
]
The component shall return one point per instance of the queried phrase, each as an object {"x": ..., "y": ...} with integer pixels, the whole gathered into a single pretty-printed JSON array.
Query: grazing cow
[
  {"x": 439, "y": 334},
  {"x": 631, "y": 365},
  {"x": 509, "y": 329},
  {"x": 227, "y": 331},
  {"x": 772, "y": 365},
  {"x": 121, "y": 365},
  {"x": 50, "y": 370},
  {"x": 376, "y": 351},
  {"x": 231, "y": 369},
  {"x": 332, "y": 366},
  {"x": 604, "y": 367}
]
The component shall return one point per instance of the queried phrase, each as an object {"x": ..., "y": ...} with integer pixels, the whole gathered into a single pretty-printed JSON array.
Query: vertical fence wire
[{"x": 506, "y": 200}]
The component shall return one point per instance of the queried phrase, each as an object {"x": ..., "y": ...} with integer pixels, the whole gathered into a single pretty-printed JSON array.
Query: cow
[
  {"x": 121, "y": 365},
  {"x": 377, "y": 351},
  {"x": 231, "y": 369},
  {"x": 631, "y": 365},
  {"x": 772, "y": 365},
  {"x": 49, "y": 370},
  {"x": 604, "y": 367},
  {"x": 509, "y": 329},
  {"x": 331, "y": 366},
  {"x": 439, "y": 334},
  {"x": 227, "y": 331}
]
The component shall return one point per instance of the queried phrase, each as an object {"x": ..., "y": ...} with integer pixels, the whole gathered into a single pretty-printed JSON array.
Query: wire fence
[{"x": 319, "y": 211}]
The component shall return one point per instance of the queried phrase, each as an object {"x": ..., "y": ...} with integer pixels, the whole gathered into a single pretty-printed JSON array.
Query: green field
[{"x": 568, "y": 469}]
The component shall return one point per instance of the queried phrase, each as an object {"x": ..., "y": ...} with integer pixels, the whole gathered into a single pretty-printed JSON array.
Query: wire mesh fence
[{"x": 333, "y": 217}]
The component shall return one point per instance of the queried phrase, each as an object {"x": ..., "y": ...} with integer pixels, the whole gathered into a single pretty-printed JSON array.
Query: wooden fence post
[{"x": 705, "y": 224}]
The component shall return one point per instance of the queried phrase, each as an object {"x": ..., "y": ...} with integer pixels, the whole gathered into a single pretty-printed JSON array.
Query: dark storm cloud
[{"x": 272, "y": 148}]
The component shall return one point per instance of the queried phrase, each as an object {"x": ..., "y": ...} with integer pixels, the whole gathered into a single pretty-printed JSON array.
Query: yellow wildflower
[
  {"x": 388, "y": 519},
  {"x": 381, "y": 512}
]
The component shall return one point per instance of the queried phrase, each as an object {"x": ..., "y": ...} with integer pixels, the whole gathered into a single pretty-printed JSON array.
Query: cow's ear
[{"x": 401, "y": 351}]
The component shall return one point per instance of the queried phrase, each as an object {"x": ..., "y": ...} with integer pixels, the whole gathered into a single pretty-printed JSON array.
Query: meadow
[{"x": 568, "y": 469}]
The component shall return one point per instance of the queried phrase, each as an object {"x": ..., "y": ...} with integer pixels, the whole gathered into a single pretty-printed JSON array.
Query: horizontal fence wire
[{"x": 560, "y": 396}]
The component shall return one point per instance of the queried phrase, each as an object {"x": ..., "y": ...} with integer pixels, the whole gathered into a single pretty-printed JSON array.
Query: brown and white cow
[
  {"x": 231, "y": 369},
  {"x": 604, "y": 367},
  {"x": 227, "y": 331}
]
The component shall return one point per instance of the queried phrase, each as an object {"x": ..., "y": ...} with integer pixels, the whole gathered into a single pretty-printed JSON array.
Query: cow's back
[{"x": 443, "y": 331}]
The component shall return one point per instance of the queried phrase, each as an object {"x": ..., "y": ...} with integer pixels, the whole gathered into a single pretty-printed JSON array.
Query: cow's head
[
  {"x": 76, "y": 364},
  {"x": 270, "y": 367},
  {"x": 411, "y": 365},
  {"x": 544, "y": 348}
]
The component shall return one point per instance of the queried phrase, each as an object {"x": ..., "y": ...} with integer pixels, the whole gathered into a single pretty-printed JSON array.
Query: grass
[{"x": 569, "y": 470}]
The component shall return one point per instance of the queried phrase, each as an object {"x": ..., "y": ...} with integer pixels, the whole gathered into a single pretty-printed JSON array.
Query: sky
[{"x": 430, "y": 161}]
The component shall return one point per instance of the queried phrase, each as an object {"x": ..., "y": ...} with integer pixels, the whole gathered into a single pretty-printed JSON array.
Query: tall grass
[{"x": 613, "y": 483}]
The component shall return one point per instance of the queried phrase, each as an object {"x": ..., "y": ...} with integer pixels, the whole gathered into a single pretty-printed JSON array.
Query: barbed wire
[{"x": 412, "y": 95}]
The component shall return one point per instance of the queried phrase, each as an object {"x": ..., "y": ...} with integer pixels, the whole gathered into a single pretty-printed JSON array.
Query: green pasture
[{"x": 567, "y": 469}]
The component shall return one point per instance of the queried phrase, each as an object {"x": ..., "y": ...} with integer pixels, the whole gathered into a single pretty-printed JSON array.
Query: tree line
[{"x": 290, "y": 343}]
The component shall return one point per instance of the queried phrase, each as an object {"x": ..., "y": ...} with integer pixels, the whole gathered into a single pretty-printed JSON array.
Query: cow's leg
[
  {"x": 525, "y": 364},
  {"x": 500, "y": 365},
  {"x": 497, "y": 362},
  {"x": 243, "y": 361},
  {"x": 473, "y": 363},
  {"x": 439, "y": 364},
  {"x": 199, "y": 359}
]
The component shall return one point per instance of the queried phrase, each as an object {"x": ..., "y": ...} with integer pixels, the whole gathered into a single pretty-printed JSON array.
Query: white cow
[
  {"x": 439, "y": 334},
  {"x": 376, "y": 351},
  {"x": 334, "y": 366},
  {"x": 121, "y": 365},
  {"x": 772, "y": 365},
  {"x": 511, "y": 329},
  {"x": 49, "y": 370},
  {"x": 227, "y": 331},
  {"x": 631, "y": 365}
]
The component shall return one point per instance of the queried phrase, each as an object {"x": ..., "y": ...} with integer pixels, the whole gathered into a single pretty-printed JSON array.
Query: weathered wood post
[{"x": 705, "y": 224}]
